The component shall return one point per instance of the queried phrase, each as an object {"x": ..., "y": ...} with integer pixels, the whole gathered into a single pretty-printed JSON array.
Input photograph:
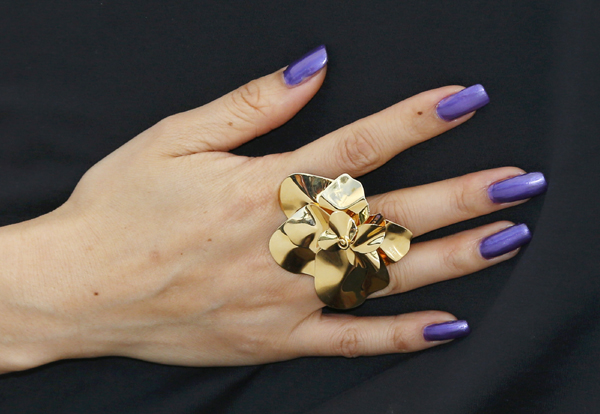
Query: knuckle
[
  {"x": 398, "y": 338},
  {"x": 347, "y": 342},
  {"x": 461, "y": 201},
  {"x": 248, "y": 102},
  {"x": 255, "y": 201},
  {"x": 250, "y": 206},
  {"x": 464, "y": 198},
  {"x": 393, "y": 209},
  {"x": 171, "y": 126},
  {"x": 252, "y": 345},
  {"x": 360, "y": 150},
  {"x": 454, "y": 258}
]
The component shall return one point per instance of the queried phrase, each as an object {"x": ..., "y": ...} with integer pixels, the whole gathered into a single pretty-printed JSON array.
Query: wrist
[{"x": 40, "y": 321}]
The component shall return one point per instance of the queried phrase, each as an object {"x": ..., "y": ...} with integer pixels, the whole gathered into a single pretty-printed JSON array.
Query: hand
[{"x": 161, "y": 253}]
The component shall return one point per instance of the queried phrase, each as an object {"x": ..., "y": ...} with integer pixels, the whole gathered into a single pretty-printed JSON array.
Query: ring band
[{"x": 331, "y": 235}]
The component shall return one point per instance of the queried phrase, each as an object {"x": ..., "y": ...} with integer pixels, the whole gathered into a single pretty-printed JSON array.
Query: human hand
[{"x": 161, "y": 253}]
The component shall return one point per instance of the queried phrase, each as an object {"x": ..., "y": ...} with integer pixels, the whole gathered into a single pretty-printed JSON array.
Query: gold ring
[{"x": 331, "y": 235}]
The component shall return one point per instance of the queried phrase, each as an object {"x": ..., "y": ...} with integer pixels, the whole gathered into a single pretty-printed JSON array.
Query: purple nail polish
[
  {"x": 505, "y": 241},
  {"x": 306, "y": 66},
  {"x": 463, "y": 102},
  {"x": 518, "y": 188},
  {"x": 446, "y": 330}
]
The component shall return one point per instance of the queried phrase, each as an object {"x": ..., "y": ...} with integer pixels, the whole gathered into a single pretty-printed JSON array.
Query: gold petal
[
  {"x": 352, "y": 257},
  {"x": 342, "y": 225},
  {"x": 368, "y": 238},
  {"x": 328, "y": 240},
  {"x": 344, "y": 193},
  {"x": 396, "y": 243},
  {"x": 337, "y": 282},
  {"x": 304, "y": 227},
  {"x": 289, "y": 256},
  {"x": 372, "y": 259},
  {"x": 377, "y": 275},
  {"x": 298, "y": 190},
  {"x": 363, "y": 213}
]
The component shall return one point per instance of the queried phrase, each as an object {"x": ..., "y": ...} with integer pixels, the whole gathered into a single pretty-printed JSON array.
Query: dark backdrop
[{"x": 79, "y": 79}]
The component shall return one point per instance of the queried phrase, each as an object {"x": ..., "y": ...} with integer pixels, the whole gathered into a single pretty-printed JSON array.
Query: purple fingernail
[
  {"x": 446, "y": 330},
  {"x": 518, "y": 188},
  {"x": 306, "y": 66},
  {"x": 463, "y": 102},
  {"x": 505, "y": 241}
]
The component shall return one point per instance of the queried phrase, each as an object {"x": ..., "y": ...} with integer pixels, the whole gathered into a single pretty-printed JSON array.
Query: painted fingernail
[
  {"x": 463, "y": 102},
  {"x": 446, "y": 330},
  {"x": 518, "y": 188},
  {"x": 505, "y": 241},
  {"x": 306, "y": 66}
]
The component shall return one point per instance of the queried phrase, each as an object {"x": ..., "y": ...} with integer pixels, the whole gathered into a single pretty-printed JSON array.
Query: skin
[{"x": 150, "y": 257}]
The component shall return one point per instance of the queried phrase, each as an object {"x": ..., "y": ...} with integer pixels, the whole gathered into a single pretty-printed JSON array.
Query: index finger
[{"x": 367, "y": 144}]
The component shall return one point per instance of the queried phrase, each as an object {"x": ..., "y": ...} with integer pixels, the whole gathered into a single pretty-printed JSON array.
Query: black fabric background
[{"x": 79, "y": 79}]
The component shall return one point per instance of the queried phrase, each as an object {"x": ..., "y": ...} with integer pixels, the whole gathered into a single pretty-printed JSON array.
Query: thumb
[{"x": 249, "y": 111}]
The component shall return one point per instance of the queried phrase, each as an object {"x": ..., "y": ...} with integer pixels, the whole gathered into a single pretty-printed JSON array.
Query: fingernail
[
  {"x": 463, "y": 102},
  {"x": 518, "y": 188},
  {"x": 505, "y": 241},
  {"x": 306, "y": 66},
  {"x": 446, "y": 330}
]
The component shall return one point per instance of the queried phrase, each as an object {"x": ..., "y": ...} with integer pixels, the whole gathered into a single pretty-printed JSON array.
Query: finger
[
  {"x": 431, "y": 206},
  {"x": 370, "y": 142},
  {"x": 350, "y": 336},
  {"x": 249, "y": 111},
  {"x": 453, "y": 256}
]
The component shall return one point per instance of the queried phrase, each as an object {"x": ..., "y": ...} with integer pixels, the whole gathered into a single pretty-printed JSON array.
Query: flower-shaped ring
[{"x": 331, "y": 235}]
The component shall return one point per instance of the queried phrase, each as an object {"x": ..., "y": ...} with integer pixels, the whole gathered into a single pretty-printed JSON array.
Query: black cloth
[{"x": 79, "y": 79}]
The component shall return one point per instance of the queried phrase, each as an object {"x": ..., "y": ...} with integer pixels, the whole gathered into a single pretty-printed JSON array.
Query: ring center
[{"x": 343, "y": 243}]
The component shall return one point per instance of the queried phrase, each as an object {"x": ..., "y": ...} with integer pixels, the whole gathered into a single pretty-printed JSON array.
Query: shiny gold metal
[{"x": 330, "y": 235}]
